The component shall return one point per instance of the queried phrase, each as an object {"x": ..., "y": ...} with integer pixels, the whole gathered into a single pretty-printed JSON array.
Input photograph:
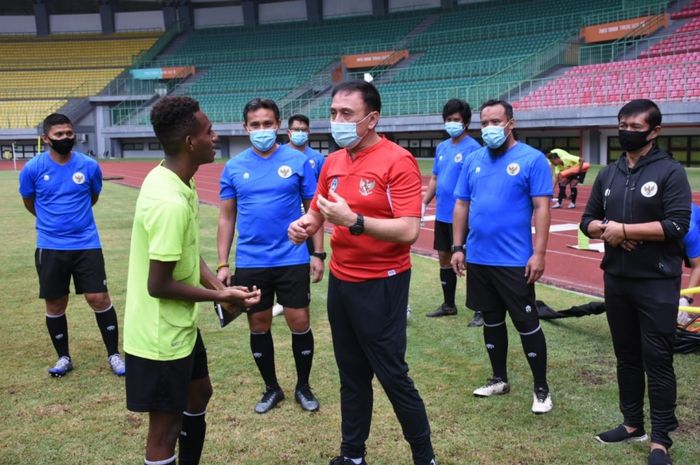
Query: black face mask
[
  {"x": 633, "y": 140},
  {"x": 62, "y": 146}
]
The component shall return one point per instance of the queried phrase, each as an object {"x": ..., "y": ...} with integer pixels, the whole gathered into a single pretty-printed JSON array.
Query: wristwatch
[
  {"x": 320, "y": 255},
  {"x": 359, "y": 226},
  {"x": 457, "y": 248}
]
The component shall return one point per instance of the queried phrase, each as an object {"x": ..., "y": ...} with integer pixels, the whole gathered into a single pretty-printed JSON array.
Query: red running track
[{"x": 565, "y": 267}]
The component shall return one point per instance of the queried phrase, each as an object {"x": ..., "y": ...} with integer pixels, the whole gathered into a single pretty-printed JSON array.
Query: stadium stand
[
  {"x": 668, "y": 70},
  {"x": 236, "y": 63},
  {"x": 691, "y": 10},
  {"x": 59, "y": 68}
]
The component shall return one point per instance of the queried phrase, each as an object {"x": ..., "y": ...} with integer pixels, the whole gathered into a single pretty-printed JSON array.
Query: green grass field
[
  {"x": 82, "y": 419},
  {"x": 426, "y": 167}
]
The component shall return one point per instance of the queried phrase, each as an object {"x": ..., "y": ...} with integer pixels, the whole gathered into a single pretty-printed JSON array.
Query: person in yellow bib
[
  {"x": 167, "y": 371},
  {"x": 569, "y": 170}
]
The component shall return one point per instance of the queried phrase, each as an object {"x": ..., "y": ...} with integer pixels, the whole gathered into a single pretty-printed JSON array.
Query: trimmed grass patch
[{"x": 82, "y": 418}]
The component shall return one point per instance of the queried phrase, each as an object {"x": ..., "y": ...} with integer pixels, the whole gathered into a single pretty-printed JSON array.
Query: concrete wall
[
  {"x": 218, "y": 16},
  {"x": 404, "y": 5},
  {"x": 294, "y": 10},
  {"x": 333, "y": 8},
  {"x": 16, "y": 24},
  {"x": 139, "y": 20},
  {"x": 75, "y": 23}
]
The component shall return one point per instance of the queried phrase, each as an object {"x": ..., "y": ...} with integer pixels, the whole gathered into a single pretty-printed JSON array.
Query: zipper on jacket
[{"x": 624, "y": 210}]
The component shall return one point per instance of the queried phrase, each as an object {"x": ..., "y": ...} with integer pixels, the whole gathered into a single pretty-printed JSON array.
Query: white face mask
[
  {"x": 345, "y": 134},
  {"x": 263, "y": 139},
  {"x": 454, "y": 128}
]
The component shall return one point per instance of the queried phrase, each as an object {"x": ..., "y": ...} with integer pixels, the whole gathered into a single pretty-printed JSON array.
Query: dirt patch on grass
[{"x": 53, "y": 410}]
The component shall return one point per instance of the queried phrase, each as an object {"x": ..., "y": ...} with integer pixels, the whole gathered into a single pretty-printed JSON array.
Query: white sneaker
[
  {"x": 62, "y": 367},
  {"x": 116, "y": 363},
  {"x": 541, "y": 402},
  {"x": 571, "y": 205},
  {"x": 556, "y": 205},
  {"x": 277, "y": 310},
  {"x": 493, "y": 387},
  {"x": 409, "y": 312}
]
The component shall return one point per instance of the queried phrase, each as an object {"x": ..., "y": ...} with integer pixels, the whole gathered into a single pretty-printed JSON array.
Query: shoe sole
[
  {"x": 308, "y": 409},
  {"x": 542, "y": 413},
  {"x": 273, "y": 407},
  {"x": 505, "y": 391},
  {"x": 60, "y": 375},
  {"x": 633, "y": 439}
]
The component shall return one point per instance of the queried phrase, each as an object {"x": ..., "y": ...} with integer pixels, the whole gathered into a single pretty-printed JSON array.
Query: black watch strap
[
  {"x": 359, "y": 226},
  {"x": 457, "y": 248},
  {"x": 320, "y": 255}
]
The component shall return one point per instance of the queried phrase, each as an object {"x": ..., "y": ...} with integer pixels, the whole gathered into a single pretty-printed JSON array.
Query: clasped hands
[{"x": 613, "y": 233}]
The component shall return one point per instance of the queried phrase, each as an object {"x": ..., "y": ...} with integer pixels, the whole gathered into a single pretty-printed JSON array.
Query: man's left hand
[
  {"x": 613, "y": 233},
  {"x": 534, "y": 268},
  {"x": 317, "y": 268},
  {"x": 336, "y": 210}
]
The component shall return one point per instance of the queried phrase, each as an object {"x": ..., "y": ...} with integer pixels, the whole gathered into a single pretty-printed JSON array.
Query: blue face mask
[
  {"x": 494, "y": 136},
  {"x": 454, "y": 129},
  {"x": 263, "y": 139},
  {"x": 345, "y": 134},
  {"x": 299, "y": 138}
]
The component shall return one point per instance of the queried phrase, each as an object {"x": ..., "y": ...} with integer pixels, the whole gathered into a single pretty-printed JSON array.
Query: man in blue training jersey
[
  {"x": 500, "y": 188},
  {"x": 449, "y": 157},
  {"x": 298, "y": 132},
  {"x": 59, "y": 187},
  {"x": 691, "y": 243},
  {"x": 262, "y": 190}
]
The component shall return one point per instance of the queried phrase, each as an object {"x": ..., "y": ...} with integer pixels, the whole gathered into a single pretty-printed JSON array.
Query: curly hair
[{"x": 173, "y": 118}]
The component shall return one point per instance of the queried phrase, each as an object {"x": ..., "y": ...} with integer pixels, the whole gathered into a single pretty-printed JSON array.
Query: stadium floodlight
[{"x": 368, "y": 77}]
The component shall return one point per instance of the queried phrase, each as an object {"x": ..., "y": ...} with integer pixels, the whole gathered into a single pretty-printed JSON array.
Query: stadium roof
[{"x": 26, "y": 7}]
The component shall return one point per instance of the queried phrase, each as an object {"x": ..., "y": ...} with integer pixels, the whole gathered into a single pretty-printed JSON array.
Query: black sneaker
[
  {"x": 659, "y": 457},
  {"x": 270, "y": 399},
  {"x": 306, "y": 398},
  {"x": 442, "y": 310},
  {"x": 477, "y": 321},
  {"x": 340, "y": 460},
  {"x": 620, "y": 434}
]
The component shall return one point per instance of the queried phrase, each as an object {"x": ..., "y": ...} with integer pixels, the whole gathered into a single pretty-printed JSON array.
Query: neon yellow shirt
[
  {"x": 166, "y": 228},
  {"x": 568, "y": 160}
]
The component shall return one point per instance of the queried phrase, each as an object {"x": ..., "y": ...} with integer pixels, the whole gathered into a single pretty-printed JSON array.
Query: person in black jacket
[{"x": 640, "y": 207}]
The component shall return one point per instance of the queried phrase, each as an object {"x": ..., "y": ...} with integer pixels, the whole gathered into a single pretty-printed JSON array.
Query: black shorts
[
  {"x": 162, "y": 386},
  {"x": 442, "y": 239},
  {"x": 55, "y": 268},
  {"x": 580, "y": 177},
  {"x": 291, "y": 284},
  {"x": 500, "y": 288}
]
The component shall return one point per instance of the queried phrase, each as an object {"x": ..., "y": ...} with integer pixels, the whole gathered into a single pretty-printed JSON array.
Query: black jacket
[{"x": 656, "y": 189}]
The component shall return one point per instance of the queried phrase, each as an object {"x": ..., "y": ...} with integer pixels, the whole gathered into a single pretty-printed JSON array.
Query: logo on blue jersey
[
  {"x": 458, "y": 157},
  {"x": 284, "y": 171},
  {"x": 334, "y": 185},
  {"x": 78, "y": 177},
  {"x": 46, "y": 177},
  {"x": 246, "y": 175},
  {"x": 366, "y": 186},
  {"x": 513, "y": 169},
  {"x": 478, "y": 169},
  {"x": 312, "y": 162}
]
